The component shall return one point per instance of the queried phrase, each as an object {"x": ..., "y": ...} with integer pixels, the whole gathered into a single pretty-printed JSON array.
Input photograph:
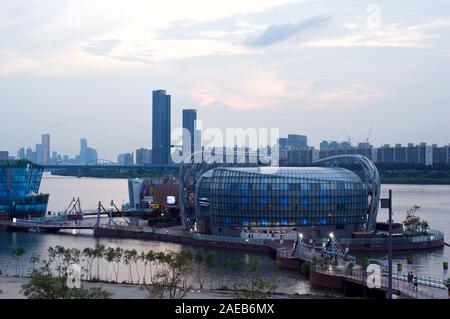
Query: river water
[{"x": 434, "y": 202}]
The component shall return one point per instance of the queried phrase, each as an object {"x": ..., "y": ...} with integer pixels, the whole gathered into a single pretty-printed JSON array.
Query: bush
[{"x": 305, "y": 267}]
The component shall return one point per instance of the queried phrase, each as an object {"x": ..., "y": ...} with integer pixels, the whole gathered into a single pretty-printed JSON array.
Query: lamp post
[
  {"x": 387, "y": 203},
  {"x": 390, "y": 248}
]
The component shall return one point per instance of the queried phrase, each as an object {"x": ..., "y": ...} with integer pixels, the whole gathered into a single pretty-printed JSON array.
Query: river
[{"x": 434, "y": 202}]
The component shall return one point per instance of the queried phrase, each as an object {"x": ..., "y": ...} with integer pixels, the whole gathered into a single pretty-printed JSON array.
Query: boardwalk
[
  {"x": 400, "y": 286},
  {"x": 47, "y": 227}
]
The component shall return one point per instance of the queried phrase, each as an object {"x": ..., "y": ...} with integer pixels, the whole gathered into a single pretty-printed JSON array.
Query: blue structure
[
  {"x": 160, "y": 127},
  {"x": 19, "y": 189},
  {"x": 189, "y": 119},
  {"x": 315, "y": 200}
]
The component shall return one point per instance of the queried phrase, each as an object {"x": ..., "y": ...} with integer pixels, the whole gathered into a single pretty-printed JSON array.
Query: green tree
[
  {"x": 199, "y": 257},
  {"x": 89, "y": 255},
  {"x": 149, "y": 260},
  {"x": 43, "y": 285},
  {"x": 118, "y": 255},
  {"x": 305, "y": 267},
  {"x": 18, "y": 254},
  {"x": 169, "y": 280},
  {"x": 98, "y": 254},
  {"x": 109, "y": 257},
  {"x": 259, "y": 287}
]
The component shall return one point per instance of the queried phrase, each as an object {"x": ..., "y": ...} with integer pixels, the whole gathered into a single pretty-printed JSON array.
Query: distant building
[
  {"x": 294, "y": 151},
  {"x": 21, "y": 153},
  {"x": 4, "y": 155},
  {"x": 332, "y": 148},
  {"x": 189, "y": 130},
  {"x": 125, "y": 159},
  {"x": 421, "y": 154},
  {"x": 45, "y": 148},
  {"x": 297, "y": 142},
  {"x": 39, "y": 153},
  {"x": 87, "y": 154},
  {"x": 19, "y": 189},
  {"x": 29, "y": 154},
  {"x": 441, "y": 155},
  {"x": 143, "y": 156},
  {"x": 161, "y": 139}
]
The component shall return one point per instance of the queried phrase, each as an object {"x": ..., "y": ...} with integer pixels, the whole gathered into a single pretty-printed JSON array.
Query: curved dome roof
[{"x": 335, "y": 173}]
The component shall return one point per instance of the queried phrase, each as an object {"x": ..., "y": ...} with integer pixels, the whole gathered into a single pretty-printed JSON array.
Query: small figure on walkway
[
  {"x": 415, "y": 282},
  {"x": 410, "y": 277}
]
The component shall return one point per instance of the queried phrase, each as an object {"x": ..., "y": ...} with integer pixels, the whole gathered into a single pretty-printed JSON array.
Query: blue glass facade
[
  {"x": 19, "y": 188},
  {"x": 282, "y": 197},
  {"x": 161, "y": 106},
  {"x": 189, "y": 118}
]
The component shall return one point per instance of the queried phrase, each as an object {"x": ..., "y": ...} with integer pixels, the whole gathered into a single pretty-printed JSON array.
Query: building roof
[{"x": 299, "y": 172}]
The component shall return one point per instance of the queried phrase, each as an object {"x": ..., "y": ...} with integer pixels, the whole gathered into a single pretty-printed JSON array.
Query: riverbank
[{"x": 10, "y": 287}]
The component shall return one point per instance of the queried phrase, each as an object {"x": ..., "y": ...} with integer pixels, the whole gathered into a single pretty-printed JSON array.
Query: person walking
[
  {"x": 415, "y": 282},
  {"x": 409, "y": 277}
]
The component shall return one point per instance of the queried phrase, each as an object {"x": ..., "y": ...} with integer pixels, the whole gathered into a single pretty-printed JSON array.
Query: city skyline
[{"x": 317, "y": 68}]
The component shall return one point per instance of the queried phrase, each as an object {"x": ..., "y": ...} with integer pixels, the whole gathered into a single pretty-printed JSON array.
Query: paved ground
[{"x": 11, "y": 287}]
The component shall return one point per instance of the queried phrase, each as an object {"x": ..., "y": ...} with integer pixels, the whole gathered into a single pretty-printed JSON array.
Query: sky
[{"x": 331, "y": 70}]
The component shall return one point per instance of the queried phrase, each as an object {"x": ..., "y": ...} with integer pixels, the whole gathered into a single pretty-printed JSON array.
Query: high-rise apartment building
[
  {"x": 45, "y": 148},
  {"x": 161, "y": 139},
  {"x": 189, "y": 131}
]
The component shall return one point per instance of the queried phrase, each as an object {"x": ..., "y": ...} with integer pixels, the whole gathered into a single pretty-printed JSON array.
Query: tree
[
  {"x": 43, "y": 285},
  {"x": 259, "y": 287},
  {"x": 18, "y": 254},
  {"x": 199, "y": 257},
  {"x": 209, "y": 261},
  {"x": 412, "y": 222},
  {"x": 109, "y": 257},
  {"x": 149, "y": 259},
  {"x": 118, "y": 255},
  {"x": 424, "y": 226},
  {"x": 305, "y": 267},
  {"x": 89, "y": 255},
  {"x": 128, "y": 258},
  {"x": 170, "y": 281},
  {"x": 98, "y": 254},
  {"x": 226, "y": 264}
]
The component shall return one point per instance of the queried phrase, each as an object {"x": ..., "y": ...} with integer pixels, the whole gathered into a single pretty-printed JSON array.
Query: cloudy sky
[{"x": 321, "y": 68}]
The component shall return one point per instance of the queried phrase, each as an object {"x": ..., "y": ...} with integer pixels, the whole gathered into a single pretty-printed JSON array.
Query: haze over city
[{"x": 87, "y": 69}]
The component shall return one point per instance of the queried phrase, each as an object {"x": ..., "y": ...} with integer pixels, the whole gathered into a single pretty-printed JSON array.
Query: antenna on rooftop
[
  {"x": 368, "y": 135},
  {"x": 348, "y": 136}
]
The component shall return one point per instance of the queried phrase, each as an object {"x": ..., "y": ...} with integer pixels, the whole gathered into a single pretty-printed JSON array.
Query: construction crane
[
  {"x": 348, "y": 136},
  {"x": 368, "y": 135}
]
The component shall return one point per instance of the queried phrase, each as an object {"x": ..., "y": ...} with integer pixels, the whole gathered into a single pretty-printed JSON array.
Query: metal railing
[
  {"x": 433, "y": 235},
  {"x": 399, "y": 284},
  {"x": 227, "y": 239},
  {"x": 42, "y": 220}
]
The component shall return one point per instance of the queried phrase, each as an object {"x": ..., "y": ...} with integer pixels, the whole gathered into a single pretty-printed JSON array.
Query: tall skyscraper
[
  {"x": 45, "y": 148},
  {"x": 21, "y": 153},
  {"x": 160, "y": 127},
  {"x": 39, "y": 153},
  {"x": 83, "y": 149},
  {"x": 189, "y": 130},
  {"x": 29, "y": 154},
  {"x": 143, "y": 156},
  {"x": 4, "y": 155}
]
